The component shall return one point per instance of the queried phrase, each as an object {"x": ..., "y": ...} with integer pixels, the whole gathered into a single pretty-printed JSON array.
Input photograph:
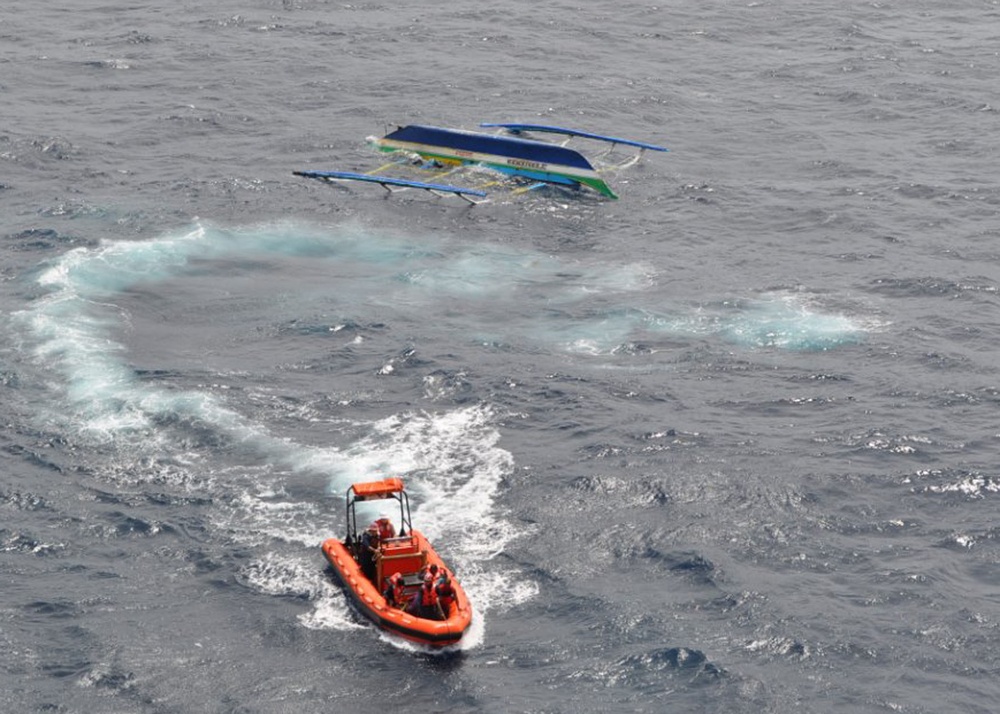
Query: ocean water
[{"x": 728, "y": 444}]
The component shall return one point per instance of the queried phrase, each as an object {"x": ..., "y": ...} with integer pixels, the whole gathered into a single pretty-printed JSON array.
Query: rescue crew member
[
  {"x": 413, "y": 606},
  {"x": 430, "y": 607},
  {"x": 445, "y": 593},
  {"x": 394, "y": 593},
  {"x": 370, "y": 552},
  {"x": 385, "y": 528}
]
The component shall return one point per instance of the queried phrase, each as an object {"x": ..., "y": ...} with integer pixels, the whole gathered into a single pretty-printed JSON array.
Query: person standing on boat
[
  {"x": 370, "y": 552},
  {"x": 385, "y": 528}
]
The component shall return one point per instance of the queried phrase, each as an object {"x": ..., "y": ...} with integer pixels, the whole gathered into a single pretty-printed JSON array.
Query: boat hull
[
  {"x": 370, "y": 602},
  {"x": 516, "y": 157}
]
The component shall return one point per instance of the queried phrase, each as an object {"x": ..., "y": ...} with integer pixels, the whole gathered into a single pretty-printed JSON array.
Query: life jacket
[
  {"x": 398, "y": 591},
  {"x": 428, "y": 596},
  {"x": 430, "y": 573},
  {"x": 446, "y": 595},
  {"x": 385, "y": 529},
  {"x": 394, "y": 592}
]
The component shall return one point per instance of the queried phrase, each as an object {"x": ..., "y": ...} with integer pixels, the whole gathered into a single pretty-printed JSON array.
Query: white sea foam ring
[{"x": 454, "y": 454}]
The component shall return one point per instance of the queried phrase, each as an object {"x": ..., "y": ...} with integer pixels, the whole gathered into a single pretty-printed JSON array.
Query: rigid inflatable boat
[{"x": 411, "y": 556}]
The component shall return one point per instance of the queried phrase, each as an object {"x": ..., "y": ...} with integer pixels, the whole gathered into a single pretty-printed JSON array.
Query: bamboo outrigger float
[
  {"x": 409, "y": 554},
  {"x": 513, "y": 153}
]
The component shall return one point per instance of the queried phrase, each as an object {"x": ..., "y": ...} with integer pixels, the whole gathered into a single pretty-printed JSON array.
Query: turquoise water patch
[{"x": 787, "y": 322}]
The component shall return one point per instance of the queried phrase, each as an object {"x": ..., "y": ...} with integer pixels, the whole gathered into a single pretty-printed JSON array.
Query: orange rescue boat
[{"x": 368, "y": 577}]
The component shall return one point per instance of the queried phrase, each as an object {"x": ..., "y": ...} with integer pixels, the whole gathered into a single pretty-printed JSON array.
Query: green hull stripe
[{"x": 597, "y": 184}]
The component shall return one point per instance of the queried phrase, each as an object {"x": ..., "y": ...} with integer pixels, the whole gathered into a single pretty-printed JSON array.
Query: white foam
[
  {"x": 262, "y": 519},
  {"x": 276, "y": 574},
  {"x": 783, "y": 320},
  {"x": 453, "y": 468},
  {"x": 451, "y": 460}
]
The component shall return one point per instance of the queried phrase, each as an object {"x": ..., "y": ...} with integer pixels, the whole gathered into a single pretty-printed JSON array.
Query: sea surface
[{"x": 727, "y": 444}]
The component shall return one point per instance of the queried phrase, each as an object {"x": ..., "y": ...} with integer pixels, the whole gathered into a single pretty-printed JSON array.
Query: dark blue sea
[{"x": 727, "y": 444}]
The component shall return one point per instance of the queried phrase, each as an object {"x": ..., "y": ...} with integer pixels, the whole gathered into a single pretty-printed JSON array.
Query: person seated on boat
[
  {"x": 413, "y": 605},
  {"x": 425, "y": 603},
  {"x": 394, "y": 593},
  {"x": 369, "y": 552},
  {"x": 429, "y": 573},
  {"x": 385, "y": 528},
  {"x": 445, "y": 592}
]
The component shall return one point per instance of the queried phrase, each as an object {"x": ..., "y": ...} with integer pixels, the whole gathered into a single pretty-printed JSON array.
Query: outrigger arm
[
  {"x": 642, "y": 146},
  {"x": 438, "y": 189},
  {"x": 546, "y": 129}
]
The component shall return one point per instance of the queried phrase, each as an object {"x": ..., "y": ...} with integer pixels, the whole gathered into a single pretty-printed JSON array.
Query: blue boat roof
[{"x": 480, "y": 143}]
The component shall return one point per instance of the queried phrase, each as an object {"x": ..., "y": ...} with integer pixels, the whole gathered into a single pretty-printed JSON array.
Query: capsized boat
[
  {"x": 516, "y": 153},
  {"x": 536, "y": 160},
  {"x": 408, "y": 553}
]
